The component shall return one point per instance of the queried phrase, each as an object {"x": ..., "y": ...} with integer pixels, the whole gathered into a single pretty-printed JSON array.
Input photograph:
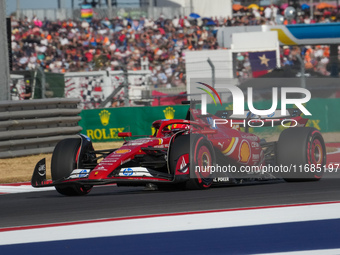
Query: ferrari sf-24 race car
[{"x": 182, "y": 153}]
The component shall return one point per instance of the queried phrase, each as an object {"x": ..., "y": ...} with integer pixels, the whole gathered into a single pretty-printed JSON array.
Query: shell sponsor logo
[
  {"x": 244, "y": 152},
  {"x": 122, "y": 151}
]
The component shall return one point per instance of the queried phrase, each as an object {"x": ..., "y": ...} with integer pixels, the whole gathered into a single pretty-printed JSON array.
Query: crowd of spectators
[
  {"x": 69, "y": 46},
  {"x": 138, "y": 44}
]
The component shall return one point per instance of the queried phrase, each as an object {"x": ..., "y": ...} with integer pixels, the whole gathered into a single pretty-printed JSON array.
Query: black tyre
[
  {"x": 202, "y": 157},
  {"x": 180, "y": 145},
  {"x": 197, "y": 151},
  {"x": 64, "y": 161},
  {"x": 303, "y": 151}
]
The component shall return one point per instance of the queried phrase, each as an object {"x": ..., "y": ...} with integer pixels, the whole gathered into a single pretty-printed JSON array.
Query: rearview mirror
[{"x": 124, "y": 134}]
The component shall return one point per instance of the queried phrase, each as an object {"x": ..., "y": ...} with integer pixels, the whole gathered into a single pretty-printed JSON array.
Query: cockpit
[{"x": 168, "y": 128}]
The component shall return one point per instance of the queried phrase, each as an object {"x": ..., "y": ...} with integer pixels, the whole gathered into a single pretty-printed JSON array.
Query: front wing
[{"x": 39, "y": 178}]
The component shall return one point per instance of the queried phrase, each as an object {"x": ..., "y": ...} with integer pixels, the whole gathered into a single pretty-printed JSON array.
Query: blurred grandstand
[{"x": 141, "y": 41}]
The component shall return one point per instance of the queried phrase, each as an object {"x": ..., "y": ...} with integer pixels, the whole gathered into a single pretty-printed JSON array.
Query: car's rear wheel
[
  {"x": 64, "y": 161},
  {"x": 303, "y": 151}
]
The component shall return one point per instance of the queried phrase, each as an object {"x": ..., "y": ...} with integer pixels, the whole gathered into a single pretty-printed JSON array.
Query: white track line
[
  {"x": 159, "y": 224},
  {"x": 9, "y": 189},
  {"x": 308, "y": 252}
]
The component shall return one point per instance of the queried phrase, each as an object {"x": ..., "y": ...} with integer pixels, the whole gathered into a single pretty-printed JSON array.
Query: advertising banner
[{"x": 103, "y": 125}]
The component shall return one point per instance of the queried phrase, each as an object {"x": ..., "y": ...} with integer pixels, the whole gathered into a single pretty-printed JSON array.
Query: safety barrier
[{"x": 35, "y": 126}]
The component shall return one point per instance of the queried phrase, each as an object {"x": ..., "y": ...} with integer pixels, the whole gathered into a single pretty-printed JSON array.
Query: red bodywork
[
  {"x": 241, "y": 147},
  {"x": 122, "y": 165}
]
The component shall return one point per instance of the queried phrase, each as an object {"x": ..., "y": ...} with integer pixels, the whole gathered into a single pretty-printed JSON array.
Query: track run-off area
[{"x": 271, "y": 217}]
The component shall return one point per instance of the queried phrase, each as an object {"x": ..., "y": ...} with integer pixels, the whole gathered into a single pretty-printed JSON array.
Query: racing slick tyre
[
  {"x": 180, "y": 147},
  {"x": 64, "y": 161},
  {"x": 302, "y": 152},
  {"x": 202, "y": 157}
]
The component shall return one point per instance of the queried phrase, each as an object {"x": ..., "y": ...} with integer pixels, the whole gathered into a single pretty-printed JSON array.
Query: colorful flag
[
  {"x": 86, "y": 12},
  {"x": 262, "y": 62}
]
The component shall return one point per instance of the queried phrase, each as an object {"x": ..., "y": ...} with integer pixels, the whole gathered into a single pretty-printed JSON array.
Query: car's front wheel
[
  {"x": 64, "y": 160},
  {"x": 194, "y": 155},
  {"x": 202, "y": 158}
]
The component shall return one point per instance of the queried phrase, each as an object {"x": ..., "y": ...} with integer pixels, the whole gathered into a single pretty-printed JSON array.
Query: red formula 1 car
[{"x": 193, "y": 153}]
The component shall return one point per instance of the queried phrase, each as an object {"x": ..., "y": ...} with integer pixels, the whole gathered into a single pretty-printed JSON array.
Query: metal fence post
[
  {"x": 302, "y": 70},
  {"x": 109, "y": 9},
  {"x": 43, "y": 81},
  {"x": 126, "y": 87},
  {"x": 212, "y": 71},
  {"x": 151, "y": 9},
  {"x": 4, "y": 60}
]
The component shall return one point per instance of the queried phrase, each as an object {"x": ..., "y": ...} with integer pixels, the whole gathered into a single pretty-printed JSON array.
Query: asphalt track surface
[{"x": 109, "y": 202}]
